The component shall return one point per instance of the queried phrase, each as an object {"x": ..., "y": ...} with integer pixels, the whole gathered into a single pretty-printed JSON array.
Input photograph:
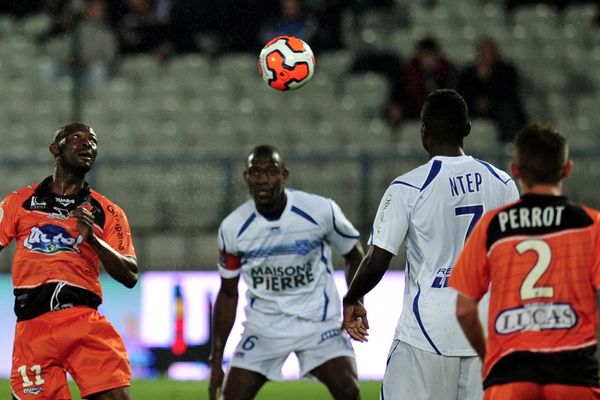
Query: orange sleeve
[
  {"x": 9, "y": 207},
  {"x": 596, "y": 257},
  {"x": 116, "y": 230},
  {"x": 470, "y": 275}
]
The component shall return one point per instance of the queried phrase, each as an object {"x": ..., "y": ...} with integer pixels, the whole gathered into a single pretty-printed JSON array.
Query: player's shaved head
[
  {"x": 446, "y": 117},
  {"x": 265, "y": 151},
  {"x": 68, "y": 129},
  {"x": 541, "y": 154}
]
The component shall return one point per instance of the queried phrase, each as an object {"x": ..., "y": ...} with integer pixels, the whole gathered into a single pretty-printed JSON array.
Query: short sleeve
[
  {"x": 8, "y": 211},
  {"x": 117, "y": 232},
  {"x": 470, "y": 275},
  {"x": 391, "y": 221},
  {"x": 596, "y": 257},
  {"x": 512, "y": 192},
  {"x": 229, "y": 262},
  {"x": 343, "y": 235}
]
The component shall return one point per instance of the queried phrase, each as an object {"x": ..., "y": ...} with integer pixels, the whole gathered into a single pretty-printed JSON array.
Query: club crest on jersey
[
  {"x": 303, "y": 247},
  {"x": 37, "y": 204},
  {"x": 50, "y": 239}
]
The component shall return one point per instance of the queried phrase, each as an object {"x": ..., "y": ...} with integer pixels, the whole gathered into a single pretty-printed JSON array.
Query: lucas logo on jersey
[
  {"x": 50, "y": 239},
  {"x": 536, "y": 317},
  {"x": 282, "y": 277}
]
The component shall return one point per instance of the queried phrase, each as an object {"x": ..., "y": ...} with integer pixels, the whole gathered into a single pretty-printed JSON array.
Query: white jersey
[
  {"x": 286, "y": 263},
  {"x": 432, "y": 209}
]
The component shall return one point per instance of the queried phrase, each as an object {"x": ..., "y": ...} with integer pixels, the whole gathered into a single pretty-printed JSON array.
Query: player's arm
[
  {"x": 468, "y": 318},
  {"x": 123, "y": 269},
  {"x": 369, "y": 273},
  {"x": 352, "y": 261},
  {"x": 223, "y": 319}
]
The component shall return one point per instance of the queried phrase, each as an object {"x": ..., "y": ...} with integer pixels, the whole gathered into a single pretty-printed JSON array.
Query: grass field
[{"x": 172, "y": 390}]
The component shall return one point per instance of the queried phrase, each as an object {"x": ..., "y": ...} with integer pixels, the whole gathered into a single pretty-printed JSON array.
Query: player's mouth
[{"x": 85, "y": 156}]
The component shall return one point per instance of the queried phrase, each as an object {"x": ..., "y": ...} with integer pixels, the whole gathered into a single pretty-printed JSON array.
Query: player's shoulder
[
  {"x": 239, "y": 216},
  {"x": 415, "y": 179},
  {"x": 105, "y": 202},
  {"x": 496, "y": 172},
  {"x": 307, "y": 199},
  {"x": 21, "y": 193}
]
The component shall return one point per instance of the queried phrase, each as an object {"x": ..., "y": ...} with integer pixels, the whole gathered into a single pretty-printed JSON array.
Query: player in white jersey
[
  {"x": 432, "y": 210},
  {"x": 280, "y": 241}
]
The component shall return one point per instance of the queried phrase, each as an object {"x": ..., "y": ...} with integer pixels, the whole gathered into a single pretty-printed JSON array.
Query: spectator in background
[
  {"x": 428, "y": 70},
  {"x": 293, "y": 19},
  {"x": 98, "y": 47},
  {"x": 140, "y": 31},
  {"x": 490, "y": 87}
]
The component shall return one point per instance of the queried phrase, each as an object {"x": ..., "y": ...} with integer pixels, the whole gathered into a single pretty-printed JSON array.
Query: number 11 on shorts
[{"x": 37, "y": 371}]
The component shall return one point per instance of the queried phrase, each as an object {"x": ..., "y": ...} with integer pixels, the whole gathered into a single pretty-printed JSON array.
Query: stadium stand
[{"x": 172, "y": 134}]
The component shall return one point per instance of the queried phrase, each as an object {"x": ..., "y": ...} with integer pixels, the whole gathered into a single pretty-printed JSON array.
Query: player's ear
[
  {"x": 54, "y": 149},
  {"x": 467, "y": 129},
  {"x": 514, "y": 170},
  {"x": 567, "y": 169}
]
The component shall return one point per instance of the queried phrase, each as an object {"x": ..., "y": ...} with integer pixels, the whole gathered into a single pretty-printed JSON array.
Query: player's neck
[
  {"x": 446, "y": 151},
  {"x": 272, "y": 211},
  {"x": 543, "y": 189},
  {"x": 65, "y": 183}
]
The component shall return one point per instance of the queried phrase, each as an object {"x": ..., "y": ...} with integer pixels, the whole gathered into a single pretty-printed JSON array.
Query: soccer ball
[{"x": 286, "y": 63}]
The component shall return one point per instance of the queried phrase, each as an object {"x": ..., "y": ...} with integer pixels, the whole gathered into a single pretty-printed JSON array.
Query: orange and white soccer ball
[{"x": 286, "y": 63}]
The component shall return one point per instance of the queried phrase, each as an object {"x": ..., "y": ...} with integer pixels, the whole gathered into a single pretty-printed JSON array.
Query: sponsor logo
[
  {"x": 65, "y": 202},
  {"x": 33, "y": 390},
  {"x": 37, "y": 204},
  {"x": 441, "y": 278},
  {"x": 282, "y": 277},
  {"x": 381, "y": 217},
  {"x": 50, "y": 239},
  {"x": 59, "y": 213},
  {"x": 536, "y": 317}
]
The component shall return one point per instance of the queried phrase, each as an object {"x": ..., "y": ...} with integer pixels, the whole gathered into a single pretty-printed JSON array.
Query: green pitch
[{"x": 169, "y": 390}]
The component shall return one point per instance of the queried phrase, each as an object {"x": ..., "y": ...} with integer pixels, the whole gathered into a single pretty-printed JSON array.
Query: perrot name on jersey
[{"x": 278, "y": 278}]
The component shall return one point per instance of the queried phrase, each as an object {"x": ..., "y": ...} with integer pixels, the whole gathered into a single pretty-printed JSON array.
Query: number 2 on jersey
[
  {"x": 476, "y": 211},
  {"x": 544, "y": 257}
]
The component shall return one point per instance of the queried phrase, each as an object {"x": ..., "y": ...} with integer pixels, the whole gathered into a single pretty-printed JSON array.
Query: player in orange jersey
[
  {"x": 63, "y": 231},
  {"x": 539, "y": 258}
]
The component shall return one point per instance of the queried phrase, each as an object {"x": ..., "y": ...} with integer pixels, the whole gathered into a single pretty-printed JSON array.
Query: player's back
[
  {"x": 443, "y": 200},
  {"x": 544, "y": 265}
]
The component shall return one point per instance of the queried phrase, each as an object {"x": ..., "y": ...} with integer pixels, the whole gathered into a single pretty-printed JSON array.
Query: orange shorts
[
  {"x": 77, "y": 340},
  {"x": 535, "y": 391}
]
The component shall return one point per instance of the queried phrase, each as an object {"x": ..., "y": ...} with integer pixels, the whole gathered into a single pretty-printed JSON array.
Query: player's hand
[
  {"x": 215, "y": 383},
  {"x": 356, "y": 323},
  {"x": 85, "y": 221}
]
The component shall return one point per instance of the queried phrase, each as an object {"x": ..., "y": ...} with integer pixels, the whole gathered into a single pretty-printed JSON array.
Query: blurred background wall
[{"x": 173, "y": 92}]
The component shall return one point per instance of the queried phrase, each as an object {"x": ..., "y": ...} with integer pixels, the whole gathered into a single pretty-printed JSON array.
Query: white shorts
[
  {"x": 265, "y": 348},
  {"x": 416, "y": 374}
]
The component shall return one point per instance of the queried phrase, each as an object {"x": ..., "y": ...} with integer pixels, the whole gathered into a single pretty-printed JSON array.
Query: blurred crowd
[{"x": 111, "y": 29}]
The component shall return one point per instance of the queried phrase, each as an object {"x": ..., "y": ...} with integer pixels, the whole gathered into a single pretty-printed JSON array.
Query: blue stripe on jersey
[
  {"x": 324, "y": 259},
  {"x": 405, "y": 184},
  {"x": 342, "y": 234},
  {"x": 418, "y": 317},
  {"x": 304, "y": 215},
  {"x": 433, "y": 172},
  {"x": 435, "y": 169},
  {"x": 494, "y": 173},
  {"x": 246, "y": 224},
  {"x": 301, "y": 247},
  {"x": 325, "y": 306}
]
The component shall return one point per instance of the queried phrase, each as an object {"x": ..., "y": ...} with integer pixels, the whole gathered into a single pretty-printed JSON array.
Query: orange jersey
[
  {"x": 540, "y": 257},
  {"x": 49, "y": 248}
]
